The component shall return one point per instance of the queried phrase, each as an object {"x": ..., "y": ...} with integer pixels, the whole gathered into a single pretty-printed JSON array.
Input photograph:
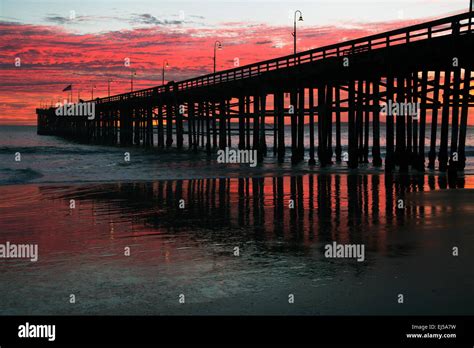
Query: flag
[{"x": 68, "y": 88}]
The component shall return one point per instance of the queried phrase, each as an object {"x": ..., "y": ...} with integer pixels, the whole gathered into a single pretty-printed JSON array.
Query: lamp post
[
  {"x": 92, "y": 91},
  {"x": 471, "y": 3},
  {"x": 132, "y": 74},
  {"x": 165, "y": 65},
  {"x": 109, "y": 80},
  {"x": 300, "y": 19},
  {"x": 217, "y": 45}
]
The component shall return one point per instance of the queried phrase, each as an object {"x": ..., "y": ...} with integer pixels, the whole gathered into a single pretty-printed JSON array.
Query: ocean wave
[
  {"x": 10, "y": 176},
  {"x": 52, "y": 150}
]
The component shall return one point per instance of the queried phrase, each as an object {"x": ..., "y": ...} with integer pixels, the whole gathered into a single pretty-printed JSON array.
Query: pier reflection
[
  {"x": 300, "y": 211},
  {"x": 182, "y": 235}
]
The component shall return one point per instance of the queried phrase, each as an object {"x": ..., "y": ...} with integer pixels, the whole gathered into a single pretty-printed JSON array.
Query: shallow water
[{"x": 48, "y": 159}]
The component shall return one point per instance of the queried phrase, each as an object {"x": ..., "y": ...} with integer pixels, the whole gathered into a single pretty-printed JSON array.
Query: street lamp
[
  {"x": 217, "y": 46},
  {"x": 109, "y": 80},
  {"x": 300, "y": 19},
  {"x": 165, "y": 65},
  {"x": 92, "y": 91},
  {"x": 132, "y": 74},
  {"x": 471, "y": 3}
]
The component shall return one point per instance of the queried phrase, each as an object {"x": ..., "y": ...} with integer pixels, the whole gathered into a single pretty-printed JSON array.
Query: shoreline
[{"x": 234, "y": 171}]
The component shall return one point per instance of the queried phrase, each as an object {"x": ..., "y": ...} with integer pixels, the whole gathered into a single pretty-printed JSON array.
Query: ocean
[{"x": 47, "y": 159}]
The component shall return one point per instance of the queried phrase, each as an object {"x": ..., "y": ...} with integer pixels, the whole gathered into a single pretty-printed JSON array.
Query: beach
[{"x": 190, "y": 250}]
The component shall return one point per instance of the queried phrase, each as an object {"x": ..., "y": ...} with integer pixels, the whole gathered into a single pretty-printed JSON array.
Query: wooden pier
[{"x": 428, "y": 65}]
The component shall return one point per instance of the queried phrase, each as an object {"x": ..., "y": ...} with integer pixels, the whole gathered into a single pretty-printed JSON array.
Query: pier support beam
[
  {"x": 409, "y": 121},
  {"x": 241, "y": 122},
  {"x": 401, "y": 152},
  {"x": 208, "y": 128},
  {"x": 294, "y": 130},
  {"x": 275, "y": 124},
  {"x": 214, "y": 125},
  {"x": 434, "y": 120},
  {"x": 256, "y": 123},
  {"x": 263, "y": 141},
  {"x": 192, "y": 126},
  {"x": 463, "y": 123},
  {"x": 169, "y": 125},
  {"x": 420, "y": 161},
  {"x": 301, "y": 112},
  {"x": 376, "y": 158},
  {"x": 229, "y": 124},
  {"x": 222, "y": 124},
  {"x": 454, "y": 155},
  {"x": 311, "y": 161},
  {"x": 280, "y": 103},
  {"x": 322, "y": 139},
  {"x": 359, "y": 128},
  {"x": 389, "y": 157},
  {"x": 247, "y": 123},
  {"x": 328, "y": 124},
  {"x": 415, "y": 120},
  {"x": 353, "y": 160},
  {"x": 337, "y": 95},
  {"x": 365, "y": 153},
  {"x": 149, "y": 127},
  {"x": 443, "y": 144},
  {"x": 178, "y": 111},
  {"x": 199, "y": 124},
  {"x": 161, "y": 134},
  {"x": 126, "y": 127}
]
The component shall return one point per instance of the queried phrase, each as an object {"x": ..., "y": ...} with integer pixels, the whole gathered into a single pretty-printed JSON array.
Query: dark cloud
[
  {"x": 57, "y": 19},
  {"x": 265, "y": 42},
  {"x": 151, "y": 44},
  {"x": 146, "y": 18},
  {"x": 17, "y": 105}
]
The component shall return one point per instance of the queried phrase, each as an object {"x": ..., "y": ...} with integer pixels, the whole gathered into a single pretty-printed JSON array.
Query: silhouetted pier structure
[{"x": 429, "y": 63}]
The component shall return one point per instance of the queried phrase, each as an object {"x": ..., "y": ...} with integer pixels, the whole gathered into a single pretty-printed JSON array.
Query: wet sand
[{"x": 191, "y": 251}]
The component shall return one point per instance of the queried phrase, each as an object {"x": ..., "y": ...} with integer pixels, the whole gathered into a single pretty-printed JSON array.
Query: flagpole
[{"x": 69, "y": 98}]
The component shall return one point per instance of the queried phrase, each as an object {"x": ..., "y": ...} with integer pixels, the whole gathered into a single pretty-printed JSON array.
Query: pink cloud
[{"x": 52, "y": 58}]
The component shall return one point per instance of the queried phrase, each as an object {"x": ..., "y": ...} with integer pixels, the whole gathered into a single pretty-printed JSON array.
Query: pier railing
[{"x": 461, "y": 24}]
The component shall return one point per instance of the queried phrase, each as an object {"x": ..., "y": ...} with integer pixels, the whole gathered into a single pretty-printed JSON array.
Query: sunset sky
[{"x": 85, "y": 43}]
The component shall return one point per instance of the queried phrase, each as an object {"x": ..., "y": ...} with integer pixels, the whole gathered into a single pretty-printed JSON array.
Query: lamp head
[
  {"x": 301, "y": 18},
  {"x": 219, "y": 45}
]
